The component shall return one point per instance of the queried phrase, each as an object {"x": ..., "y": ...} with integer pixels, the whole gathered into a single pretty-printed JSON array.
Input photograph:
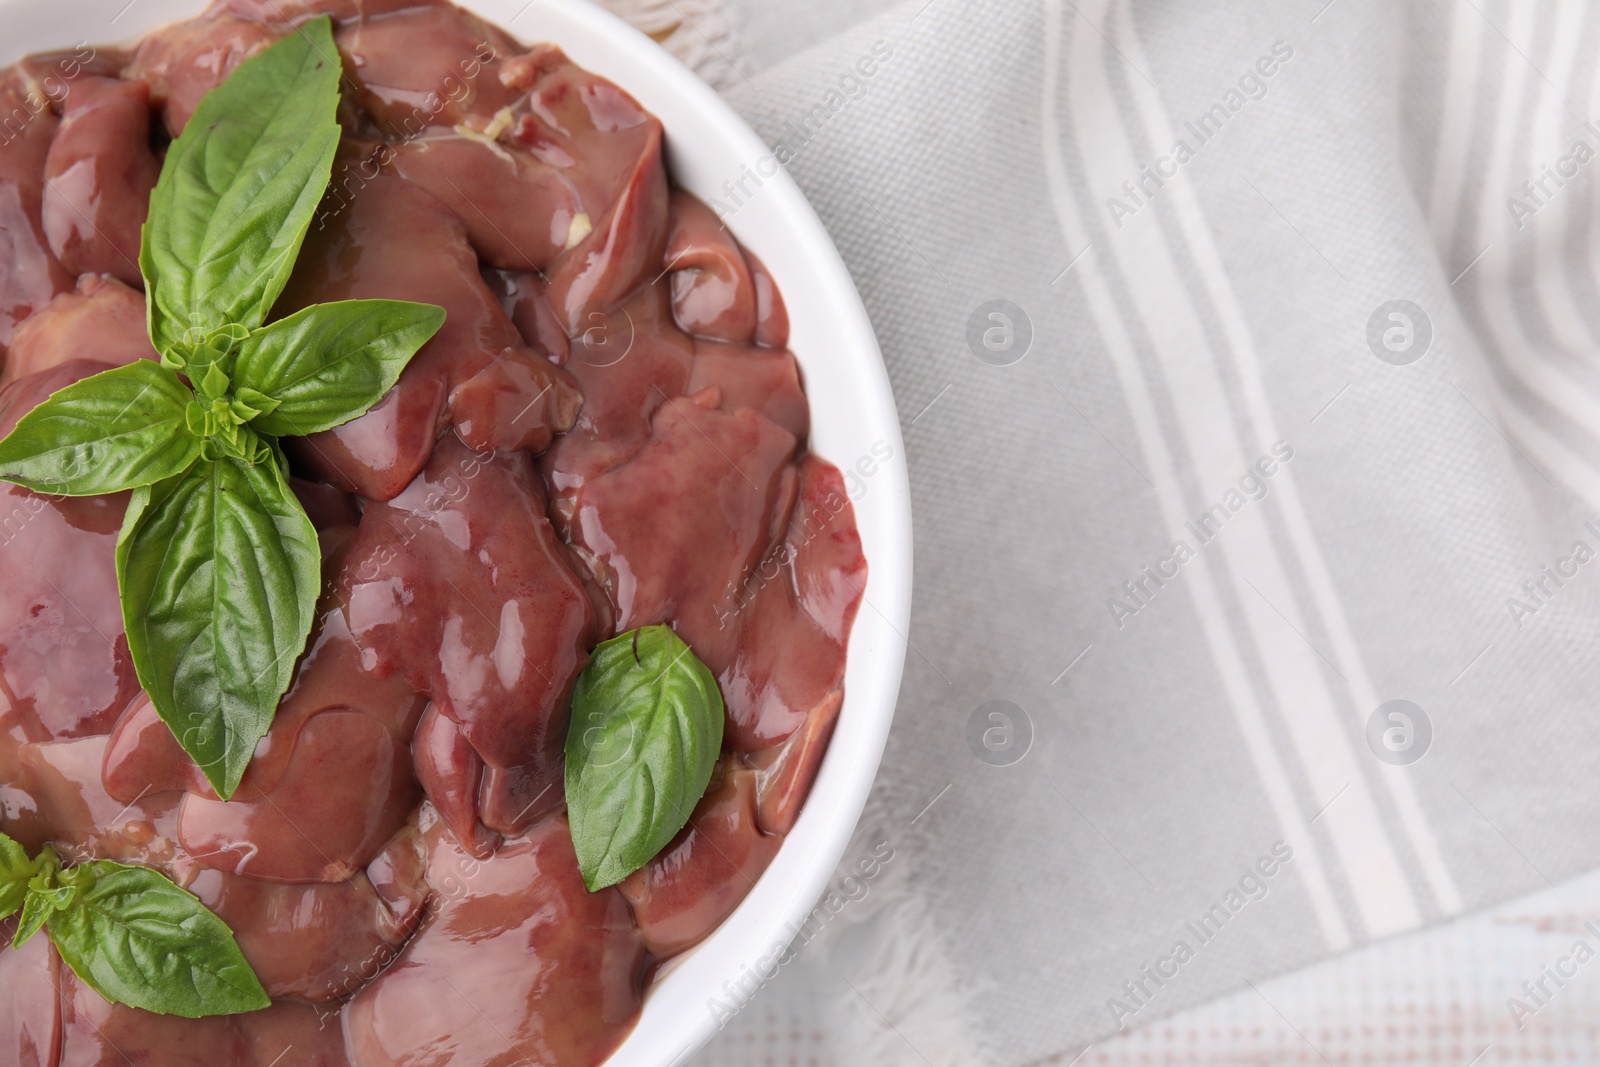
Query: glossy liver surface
[{"x": 608, "y": 432}]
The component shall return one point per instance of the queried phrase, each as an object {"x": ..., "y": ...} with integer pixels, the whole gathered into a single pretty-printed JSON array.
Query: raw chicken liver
[
  {"x": 395, "y": 241},
  {"x": 460, "y": 586},
  {"x": 608, "y": 432},
  {"x": 539, "y": 969},
  {"x": 99, "y": 174},
  {"x": 64, "y": 665}
]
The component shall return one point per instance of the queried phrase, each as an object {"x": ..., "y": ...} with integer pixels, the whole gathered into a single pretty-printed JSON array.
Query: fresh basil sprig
[
  {"x": 217, "y": 562},
  {"x": 238, "y": 191},
  {"x": 15, "y": 871},
  {"x": 129, "y": 934},
  {"x": 646, "y": 731}
]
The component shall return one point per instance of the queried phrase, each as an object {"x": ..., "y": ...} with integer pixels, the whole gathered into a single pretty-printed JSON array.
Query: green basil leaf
[
  {"x": 41, "y": 903},
  {"x": 119, "y": 429},
  {"x": 238, "y": 191},
  {"x": 15, "y": 871},
  {"x": 645, "y": 735},
  {"x": 219, "y": 571},
  {"x": 135, "y": 938},
  {"x": 329, "y": 363}
]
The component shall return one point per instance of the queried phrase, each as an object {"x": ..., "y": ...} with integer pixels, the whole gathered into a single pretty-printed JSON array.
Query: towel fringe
[{"x": 902, "y": 1000}]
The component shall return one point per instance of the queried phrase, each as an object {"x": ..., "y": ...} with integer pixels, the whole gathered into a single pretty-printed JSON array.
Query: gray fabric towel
[{"x": 1245, "y": 356}]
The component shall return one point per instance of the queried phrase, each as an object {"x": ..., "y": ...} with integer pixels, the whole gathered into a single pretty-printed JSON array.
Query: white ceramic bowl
[{"x": 852, "y": 410}]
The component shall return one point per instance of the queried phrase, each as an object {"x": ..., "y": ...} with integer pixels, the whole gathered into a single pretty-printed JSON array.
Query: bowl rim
[{"x": 834, "y": 341}]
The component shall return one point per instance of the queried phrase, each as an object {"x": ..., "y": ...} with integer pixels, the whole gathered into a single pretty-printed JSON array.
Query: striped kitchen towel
[{"x": 1247, "y": 362}]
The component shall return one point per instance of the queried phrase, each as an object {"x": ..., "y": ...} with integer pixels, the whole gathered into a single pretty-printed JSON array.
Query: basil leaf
[
  {"x": 238, "y": 191},
  {"x": 331, "y": 362},
  {"x": 219, "y": 571},
  {"x": 645, "y": 735},
  {"x": 131, "y": 935},
  {"x": 15, "y": 871},
  {"x": 119, "y": 429},
  {"x": 45, "y": 898},
  {"x": 135, "y": 938}
]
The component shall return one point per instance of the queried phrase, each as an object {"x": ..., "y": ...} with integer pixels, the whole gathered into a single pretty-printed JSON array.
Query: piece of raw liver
[
  {"x": 792, "y": 618},
  {"x": 786, "y": 773},
  {"x": 610, "y": 151},
  {"x": 677, "y": 528},
  {"x": 628, "y": 362},
  {"x": 424, "y": 65},
  {"x": 697, "y": 880},
  {"x": 34, "y": 275},
  {"x": 304, "y": 941},
  {"x": 346, "y": 790},
  {"x": 99, "y": 174},
  {"x": 518, "y": 962},
  {"x": 30, "y": 1001},
  {"x": 329, "y": 785},
  {"x": 100, "y": 319},
  {"x": 63, "y": 654},
  {"x": 183, "y": 61},
  {"x": 712, "y": 292},
  {"x": 460, "y": 586},
  {"x": 395, "y": 241}
]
